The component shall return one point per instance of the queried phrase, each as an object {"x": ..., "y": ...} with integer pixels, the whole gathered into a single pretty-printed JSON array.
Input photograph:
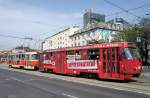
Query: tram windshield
[
  {"x": 130, "y": 53},
  {"x": 34, "y": 56}
]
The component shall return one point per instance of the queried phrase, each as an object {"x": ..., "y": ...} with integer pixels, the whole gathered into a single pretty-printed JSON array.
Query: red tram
[
  {"x": 118, "y": 60},
  {"x": 26, "y": 60}
]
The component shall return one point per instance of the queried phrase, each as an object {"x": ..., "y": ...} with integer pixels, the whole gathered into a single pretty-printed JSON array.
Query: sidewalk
[
  {"x": 146, "y": 68},
  {"x": 146, "y": 71}
]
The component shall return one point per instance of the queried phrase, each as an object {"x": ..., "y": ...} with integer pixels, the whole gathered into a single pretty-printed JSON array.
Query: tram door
[
  {"x": 41, "y": 59},
  {"x": 60, "y": 58},
  {"x": 110, "y": 63}
]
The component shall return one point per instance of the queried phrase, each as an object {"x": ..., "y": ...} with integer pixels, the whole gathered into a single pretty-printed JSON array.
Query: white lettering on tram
[{"x": 48, "y": 62}]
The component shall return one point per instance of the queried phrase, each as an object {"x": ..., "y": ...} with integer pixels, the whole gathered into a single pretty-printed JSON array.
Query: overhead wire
[
  {"x": 132, "y": 9},
  {"x": 119, "y": 12},
  {"x": 124, "y": 10}
]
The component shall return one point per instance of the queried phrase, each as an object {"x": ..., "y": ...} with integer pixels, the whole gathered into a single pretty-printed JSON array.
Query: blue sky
[{"x": 40, "y": 18}]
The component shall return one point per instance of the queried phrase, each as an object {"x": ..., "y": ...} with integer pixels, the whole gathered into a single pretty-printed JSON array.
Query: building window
[
  {"x": 88, "y": 34},
  {"x": 78, "y": 44},
  {"x": 79, "y": 37},
  {"x": 82, "y": 42},
  {"x": 75, "y": 38}
]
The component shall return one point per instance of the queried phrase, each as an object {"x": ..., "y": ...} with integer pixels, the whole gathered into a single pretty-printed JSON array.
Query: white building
[
  {"x": 119, "y": 24},
  {"x": 60, "y": 39},
  {"x": 100, "y": 33}
]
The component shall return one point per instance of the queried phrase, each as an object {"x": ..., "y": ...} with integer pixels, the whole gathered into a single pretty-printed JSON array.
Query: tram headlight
[{"x": 139, "y": 67}]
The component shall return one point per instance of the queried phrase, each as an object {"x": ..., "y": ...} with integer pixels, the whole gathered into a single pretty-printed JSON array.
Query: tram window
[
  {"x": 113, "y": 54},
  {"x": 73, "y": 52},
  {"x": 27, "y": 56},
  {"x": 130, "y": 53},
  {"x": 118, "y": 54},
  {"x": 34, "y": 56},
  {"x": 109, "y": 51},
  {"x": 70, "y": 53},
  {"x": 104, "y": 54},
  {"x": 93, "y": 54},
  {"x": 123, "y": 55},
  {"x": 12, "y": 57},
  {"x": 51, "y": 54},
  {"x": 77, "y": 52},
  {"x": 23, "y": 56},
  {"x": 17, "y": 56},
  {"x": 20, "y": 56}
]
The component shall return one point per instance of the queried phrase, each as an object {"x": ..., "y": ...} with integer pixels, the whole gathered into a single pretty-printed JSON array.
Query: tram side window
[
  {"x": 51, "y": 54},
  {"x": 73, "y": 55},
  {"x": 14, "y": 57},
  {"x": 17, "y": 56},
  {"x": 113, "y": 53},
  {"x": 93, "y": 54},
  {"x": 27, "y": 57},
  {"x": 73, "y": 52},
  {"x": 34, "y": 56},
  {"x": 23, "y": 56},
  {"x": 118, "y": 54},
  {"x": 11, "y": 57},
  {"x": 20, "y": 56},
  {"x": 77, "y": 52},
  {"x": 70, "y": 53},
  {"x": 123, "y": 54}
]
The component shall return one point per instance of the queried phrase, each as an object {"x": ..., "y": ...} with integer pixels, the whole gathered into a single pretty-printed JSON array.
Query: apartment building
[{"x": 60, "y": 39}]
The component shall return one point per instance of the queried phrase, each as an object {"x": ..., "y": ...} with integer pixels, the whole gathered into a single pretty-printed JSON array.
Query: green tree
[{"x": 144, "y": 26}]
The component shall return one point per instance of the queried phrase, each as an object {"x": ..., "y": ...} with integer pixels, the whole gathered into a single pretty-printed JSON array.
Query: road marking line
[
  {"x": 7, "y": 79},
  {"x": 13, "y": 78},
  {"x": 69, "y": 95},
  {"x": 12, "y": 96},
  {"x": 30, "y": 80}
]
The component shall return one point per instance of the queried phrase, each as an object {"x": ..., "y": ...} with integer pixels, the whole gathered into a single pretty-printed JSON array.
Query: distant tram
[
  {"x": 118, "y": 60},
  {"x": 26, "y": 60}
]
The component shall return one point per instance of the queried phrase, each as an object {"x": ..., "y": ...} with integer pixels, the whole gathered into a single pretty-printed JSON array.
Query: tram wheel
[{"x": 10, "y": 66}]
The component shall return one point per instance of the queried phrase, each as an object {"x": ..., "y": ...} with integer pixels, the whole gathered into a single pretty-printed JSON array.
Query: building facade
[
  {"x": 119, "y": 24},
  {"x": 60, "y": 39},
  {"x": 100, "y": 33}
]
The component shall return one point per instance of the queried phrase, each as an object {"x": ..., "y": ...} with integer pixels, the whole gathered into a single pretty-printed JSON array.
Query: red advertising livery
[{"x": 118, "y": 60}]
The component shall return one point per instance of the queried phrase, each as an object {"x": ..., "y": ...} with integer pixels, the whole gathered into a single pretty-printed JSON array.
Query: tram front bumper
[{"x": 29, "y": 67}]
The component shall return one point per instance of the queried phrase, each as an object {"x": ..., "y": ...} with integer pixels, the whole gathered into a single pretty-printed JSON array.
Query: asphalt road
[{"x": 21, "y": 85}]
